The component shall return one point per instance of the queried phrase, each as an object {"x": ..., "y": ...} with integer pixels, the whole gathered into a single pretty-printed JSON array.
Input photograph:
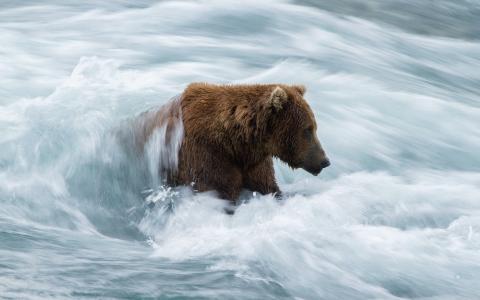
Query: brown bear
[{"x": 230, "y": 134}]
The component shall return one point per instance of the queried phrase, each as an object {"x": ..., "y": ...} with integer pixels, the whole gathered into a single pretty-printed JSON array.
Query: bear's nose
[{"x": 325, "y": 163}]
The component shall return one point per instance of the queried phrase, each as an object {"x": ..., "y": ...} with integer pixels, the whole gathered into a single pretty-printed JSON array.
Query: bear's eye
[{"x": 308, "y": 132}]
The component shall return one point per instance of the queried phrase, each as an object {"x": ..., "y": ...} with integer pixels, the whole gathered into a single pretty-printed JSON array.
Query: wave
[{"x": 395, "y": 216}]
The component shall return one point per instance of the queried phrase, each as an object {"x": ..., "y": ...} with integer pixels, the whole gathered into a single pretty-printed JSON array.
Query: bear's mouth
[
  {"x": 313, "y": 171},
  {"x": 317, "y": 167}
]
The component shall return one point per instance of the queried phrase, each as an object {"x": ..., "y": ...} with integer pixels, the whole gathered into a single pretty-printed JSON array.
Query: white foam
[
  {"x": 344, "y": 235},
  {"x": 396, "y": 215},
  {"x": 162, "y": 148}
]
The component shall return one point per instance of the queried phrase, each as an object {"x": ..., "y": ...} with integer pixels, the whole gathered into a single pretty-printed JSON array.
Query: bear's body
[{"x": 231, "y": 133}]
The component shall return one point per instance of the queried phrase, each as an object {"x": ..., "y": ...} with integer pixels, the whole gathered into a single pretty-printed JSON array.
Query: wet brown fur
[{"x": 231, "y": 133}]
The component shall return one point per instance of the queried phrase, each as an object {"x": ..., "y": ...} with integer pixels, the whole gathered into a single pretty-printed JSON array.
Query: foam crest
[
  {"x": 162, "y": 148},
  {"x": 343, "y": 236}
]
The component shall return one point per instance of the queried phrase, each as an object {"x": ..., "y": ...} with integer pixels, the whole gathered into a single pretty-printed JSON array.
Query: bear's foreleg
[
  {"x": 261, "y": 178},
  {"x": 226, "y": 180},
  {"x": 210, "y": 172}
]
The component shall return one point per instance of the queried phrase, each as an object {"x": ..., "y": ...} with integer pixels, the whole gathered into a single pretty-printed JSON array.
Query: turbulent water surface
[{"x": 395, "y": 88}]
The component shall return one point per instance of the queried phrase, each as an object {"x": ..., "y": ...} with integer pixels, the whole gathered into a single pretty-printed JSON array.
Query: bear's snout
[
  {"x": 315, "y": 160},
  {"x": 315, "y": 169},
  {"x": 325, "y": 163}
]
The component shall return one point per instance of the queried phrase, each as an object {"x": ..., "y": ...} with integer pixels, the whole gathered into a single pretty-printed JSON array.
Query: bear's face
[{"x": 294, "y": 138}]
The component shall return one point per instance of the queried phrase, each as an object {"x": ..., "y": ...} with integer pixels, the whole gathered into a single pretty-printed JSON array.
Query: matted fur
[{"x": 231, "y": 133}]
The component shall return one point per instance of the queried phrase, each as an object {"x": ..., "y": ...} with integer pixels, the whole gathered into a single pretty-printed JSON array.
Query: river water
[{"x": 395, "y": 89}]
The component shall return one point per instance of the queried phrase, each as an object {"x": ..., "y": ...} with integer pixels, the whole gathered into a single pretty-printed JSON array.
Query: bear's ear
[
  {"x": 277, "y": 98},
  {"x": 300, "y": 88}
]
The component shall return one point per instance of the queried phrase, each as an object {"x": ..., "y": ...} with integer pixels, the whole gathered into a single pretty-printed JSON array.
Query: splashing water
[
  {"x": 163, "y": 146},
  {"x": 155, "y": 136},
  {"x": 395, "y": 95}
]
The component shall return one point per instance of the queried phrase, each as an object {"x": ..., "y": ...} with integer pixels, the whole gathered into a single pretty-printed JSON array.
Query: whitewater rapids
[{"x": 394, "y": 86}]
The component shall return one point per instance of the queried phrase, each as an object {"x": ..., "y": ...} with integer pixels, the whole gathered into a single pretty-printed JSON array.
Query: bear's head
[{"x": 293, "y": 129}]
